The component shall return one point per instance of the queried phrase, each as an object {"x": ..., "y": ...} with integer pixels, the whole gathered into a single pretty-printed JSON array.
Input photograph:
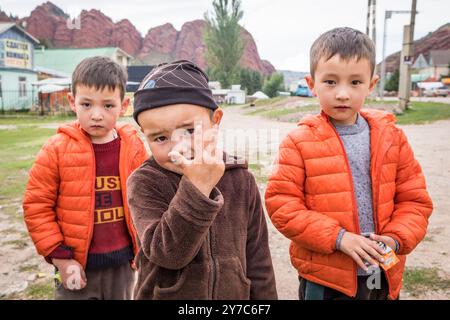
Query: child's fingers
[
  {"x": 366, "y": 257},
  {"x": 198, "y": 143},
  {"x": 83, "y": 275},
  {"x": 178, "y": 159},
  {"x": 83, "y": 284},
  {"x": 376, "y": 237},
  {"x": 376, "y": 247},
  {"x": 355, "y": 256},
  {"x": 374, "y": 253}
]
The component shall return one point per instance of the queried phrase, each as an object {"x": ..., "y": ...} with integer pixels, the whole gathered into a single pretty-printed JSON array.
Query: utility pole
[
  {"x": 387, "y": 15},
  {"x": 371, "y": 20},
  {"x": 406, "y": 61},
  {"x": 374, "y": 24}
]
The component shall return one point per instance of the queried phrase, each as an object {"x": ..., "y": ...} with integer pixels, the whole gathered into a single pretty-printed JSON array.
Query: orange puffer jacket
[
  {"x": 59, "y": 199},
  {"x": 310, "y": 197}
]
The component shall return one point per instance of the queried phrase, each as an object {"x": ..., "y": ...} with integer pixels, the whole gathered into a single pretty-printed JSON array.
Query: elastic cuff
[
  {"x": 60, "y": 252},
  {"x": 339, "y": 238},
  {"x": 397, "y": 246},
  {"x": 396, "y": 240}
]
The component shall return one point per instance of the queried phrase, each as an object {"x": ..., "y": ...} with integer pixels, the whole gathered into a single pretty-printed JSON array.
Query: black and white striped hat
[{"x": 173, "y": 83}]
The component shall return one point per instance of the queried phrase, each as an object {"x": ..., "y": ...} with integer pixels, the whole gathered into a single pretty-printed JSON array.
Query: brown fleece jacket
[{"x": 194, "y": 247}]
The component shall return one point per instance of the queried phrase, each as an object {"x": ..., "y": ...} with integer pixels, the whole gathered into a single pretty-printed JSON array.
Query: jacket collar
[{"x": 74, "y": 130}]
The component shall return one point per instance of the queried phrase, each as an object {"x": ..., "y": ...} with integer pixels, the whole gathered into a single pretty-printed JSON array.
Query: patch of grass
[
  {"x": 225, "y": 105},
  {"x": 13, "y": 213},
  {"x": 30, "y": 119},
  {"x": 381, "y": 102},
  {"x": 258, "y": 111},
  {"x": 9, "y": 231},
  {"x": 29, "y": 268},
  {"x": 420, "y": 280},
  {"x": 265, "y": 102},
  {"x": 17, "y": 244},
  {"x": 424, "y": 112},
  {"x": 258, "y": 172},
  {"x": 255, "y": 166},
  {"x": 25, "y": 235},
  {"x": 275, "y": 113},
  {"x": 19, "y": 147},
  {"x": 41, "y": 291}
]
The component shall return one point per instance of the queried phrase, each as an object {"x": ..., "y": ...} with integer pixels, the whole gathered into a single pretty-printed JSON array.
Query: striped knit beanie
[{"x": 173, "y": 83}]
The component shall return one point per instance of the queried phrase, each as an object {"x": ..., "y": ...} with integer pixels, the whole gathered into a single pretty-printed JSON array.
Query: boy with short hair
[
  {"x": 346, "y": 181},
  {"x": 197, "y": 211},
  {"x": 75, "y": 204}
]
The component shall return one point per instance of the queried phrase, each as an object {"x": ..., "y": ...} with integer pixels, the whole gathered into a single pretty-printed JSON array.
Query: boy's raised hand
[
  {"x": 207, "y": 167},
  {"x": 72, "y": 274},
  {"x": 361, "y": 249}
]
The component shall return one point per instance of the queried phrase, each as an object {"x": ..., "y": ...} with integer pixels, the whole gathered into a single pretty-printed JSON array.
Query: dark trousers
[
  {"x": 115, "y": 283},
  {"x": 312, "y": 291}
]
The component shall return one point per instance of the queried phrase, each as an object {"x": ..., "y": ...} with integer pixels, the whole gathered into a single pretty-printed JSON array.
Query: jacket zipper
[
  {"x": 376, "y": 186},
  {"x": 355, "y": 216},
  {"x": 91, "y": 212},
  {"x": 124, "y": 197},
  {"x": 354, "y": 205},
  {"x": 213, "y": 266},
  {"x": 376, "y": 199}
]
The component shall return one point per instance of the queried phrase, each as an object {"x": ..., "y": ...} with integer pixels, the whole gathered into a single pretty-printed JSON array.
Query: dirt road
[
  {"x": 21, "y": 267},
  {"x": 431, "y": 144}
]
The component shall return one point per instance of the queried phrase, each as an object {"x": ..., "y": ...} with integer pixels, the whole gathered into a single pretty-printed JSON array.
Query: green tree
[
  {"x": 250, "y": 80},
  {"x": 224, "y": 45},
  {"x": 274, "y": 84},
  {"x": 392, "y": 83}
]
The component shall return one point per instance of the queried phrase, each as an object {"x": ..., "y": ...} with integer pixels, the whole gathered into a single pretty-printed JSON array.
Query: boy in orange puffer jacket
[
  {"x": 75, "y": 202},
  {"x": 346, "y": 181}
]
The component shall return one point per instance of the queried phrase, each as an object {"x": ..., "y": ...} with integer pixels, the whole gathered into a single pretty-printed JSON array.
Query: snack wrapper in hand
[{"x": 390, "y": 258}]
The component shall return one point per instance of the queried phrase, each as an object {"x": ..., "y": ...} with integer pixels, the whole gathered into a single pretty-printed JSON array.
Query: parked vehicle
[
  {"x": 303, "y": 91},
  {"x": 437, "y": 92}
]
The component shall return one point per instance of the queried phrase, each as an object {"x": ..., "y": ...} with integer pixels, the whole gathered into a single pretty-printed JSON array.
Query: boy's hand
[
  {"x": 207, "y": 167},
  {"x": 72, "y": 273},
  {"x": 361, "y": 249},
  {"x": 385, "y": 239}
]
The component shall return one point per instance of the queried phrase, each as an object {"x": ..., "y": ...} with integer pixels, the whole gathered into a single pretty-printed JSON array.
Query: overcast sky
[{"x": 283, "y": 29}]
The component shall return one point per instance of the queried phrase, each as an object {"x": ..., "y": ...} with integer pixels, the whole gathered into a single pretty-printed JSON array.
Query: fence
[{"x": 12, "y": 101}]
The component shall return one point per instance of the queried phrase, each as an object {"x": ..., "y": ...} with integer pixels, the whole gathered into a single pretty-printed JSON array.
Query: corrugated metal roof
[{"x": 65, "y": 60}]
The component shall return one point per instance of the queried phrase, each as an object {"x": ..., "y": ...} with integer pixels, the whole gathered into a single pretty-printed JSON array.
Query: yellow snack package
[{"x": 390, "y": 258}]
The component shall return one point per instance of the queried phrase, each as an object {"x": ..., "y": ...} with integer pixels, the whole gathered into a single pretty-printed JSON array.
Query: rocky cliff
[
  {"x": 437, "y": 40},
  {"x": 92, "y": 28}
]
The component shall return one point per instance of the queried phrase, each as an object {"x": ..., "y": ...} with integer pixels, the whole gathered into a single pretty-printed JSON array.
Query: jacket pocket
[
  {"x": 187, "y": 284},
  {"x": 301, "y": 258},
  {"x": 232, "y": 281}
]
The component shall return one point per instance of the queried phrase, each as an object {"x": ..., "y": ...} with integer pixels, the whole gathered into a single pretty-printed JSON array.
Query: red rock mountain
[
  {"x": 437, "y": 40},
  {"x": 4, "y": 17},
  {"x": 93, "y": 29}
]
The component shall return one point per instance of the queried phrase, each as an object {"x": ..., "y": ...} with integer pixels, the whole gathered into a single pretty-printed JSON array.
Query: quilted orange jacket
[
  {"x": 310, "y": 197},
  {"x": 59, "y": 199}
]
